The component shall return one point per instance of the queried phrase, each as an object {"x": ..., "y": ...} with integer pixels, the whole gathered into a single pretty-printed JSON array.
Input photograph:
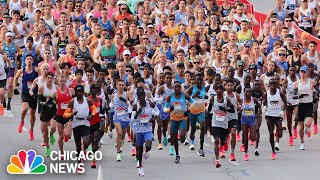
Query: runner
[{"x": 276, "y": 102}]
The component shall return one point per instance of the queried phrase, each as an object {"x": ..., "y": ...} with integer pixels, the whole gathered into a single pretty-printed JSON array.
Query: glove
[
  {"x": 222, "y": 108},
  {"x": 16, "y": 92},
  {"x": 122, "y": 99},
  {"x": 186, "y": 113},
  {"x": 171, "y": 108}
]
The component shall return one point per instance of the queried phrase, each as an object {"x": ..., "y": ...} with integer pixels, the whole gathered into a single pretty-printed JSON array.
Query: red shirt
[
  {"x": 62, "y": 101},
  {"x": 96, "y": 118}
]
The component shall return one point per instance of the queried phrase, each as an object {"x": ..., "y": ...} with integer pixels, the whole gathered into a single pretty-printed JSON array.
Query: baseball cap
[
  {"x": 253, "y": 66},
  {"x": 304, "y": 68},
  {"x": 6, "y": 15},
  {"x": 240, "y": 63},
  {"x": 89, "y": 15},
  {"x": 121, "y": 2},
  {"x": 296, "y": 46},
  {"x": 79, "y": 87},
  {"x": 94, "y": 19},
  {"x": 126, "y": 52},
  {"x": 224, "y": 28}
]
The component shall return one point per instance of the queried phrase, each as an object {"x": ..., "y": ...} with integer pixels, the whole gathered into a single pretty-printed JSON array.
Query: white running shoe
[
  {"x": 145, "y": 155},
  {"x": 191, "y": 147},
  {"x": 140, "y": 171},
  {"x": 302, "y": 146},
  {"x": 110, "y": 134}
]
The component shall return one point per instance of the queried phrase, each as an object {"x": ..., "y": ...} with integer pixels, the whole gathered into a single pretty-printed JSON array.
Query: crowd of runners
[{"x": 158, "y": 71}]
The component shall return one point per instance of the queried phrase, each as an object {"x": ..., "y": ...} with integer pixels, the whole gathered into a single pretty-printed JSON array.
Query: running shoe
[
  {"x": 309, "y": 133},
  {"x": 145, "y": 155},
  {"x": 165, "y": 141},
  {"x": 226, "y": 146},
  {"x": 178, "y": 136},
  {"x": 160, "y": 146},
  {"x": 169, "y": 139},
  {"x": 232, "y": 157},
  {"x": 212, "y": 139},
  {"x": 9, "y": 107},
  {"x": 79, "y": 171},
  {"x": 295, "y": 133},
  {"x": 52, "y": 139},
  {"x": 110, "y": 134},
  {"x": 48, "y": 152},
  {"x": 315, "y": 129},
  {"x": 65, "y": 138},
  {"x": 20, "y": 127},
  {"x": 191, "y": 147},
  {"x": 218, "y": 164},
  {"x": 221, "y": 152},
  {"x": 171, "y": 151},
  {"x": 242, "y": 148},
  {"x": 256, "y": 152},
  {"x": 186, "y": 143},
  {"x": 1, "y": 110},
  {"x": 31, "y": 136},
  {"x": 302, "y": 146},
  {"x": 43, "y": 144},
  {"x": 129, "y": 139},
  {"x": 277, "y": 146},
  {"x": 291, "y": 141},
  {"x": 201, "y": 152},
  {"x": 138, "y": 164},
  {"x": 118, "y": 158},
  {"x": 238, "y": 137},
  {"x": 133, "y": 151},
  {"x": 246, "y": 157},
  {"x": 140, "y": 171},
  {"x": 177, "y": 161},
  {"x": 93, "y": 164},
  {"x": 273, "y": 156},
  {"x": 252, "y": 143}
]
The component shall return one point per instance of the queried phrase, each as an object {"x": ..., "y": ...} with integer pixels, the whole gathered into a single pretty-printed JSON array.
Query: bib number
[
  {"x": 177, "y": 106},
  {"x": 121, "y": 112},
  {"x": 248, "y": 112},
  {"x": 144, "y": 118},
  {"x": 220, "y": 117},
  {"x": 63, "y": 106}
]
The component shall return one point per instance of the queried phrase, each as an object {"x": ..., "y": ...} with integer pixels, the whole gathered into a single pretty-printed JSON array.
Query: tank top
[
  {"x": 314, "y": 60},
  {"x": 120, "y": 19},
  {"x": 109, "y": 55},
  {"x": 27, "y": 80},
  {"x": 3, "y": 74},
  {"x": 107, "y": 26},
  {"x": 248, "y": 109},
  {"x": 11, "y": 53},
  {"x": 247, "y": 36},
  {"x": 121, "y": 108},
  {"x": 303, "y": 15},
  {"x": 219, "y": 117},
  {"x": 56, "y": 13},
  {"x": 29, "y": 15},
  {"x": 42, "y": 49},
  {"x": 96, "y": 118},
  {"x": 234, "y": 102},
  {"x": 281, "y": 14},
  {"x": 180, "y": 79},
  {"x": 297, "y": 63},
  {"x": 198, "y": 106},
  {"x": 290, "y": 5},
  {"x": 70, "y": 59},
  {"x": 48, "y": 92},
  {"x": 289, "y": 92},
  {"x": 50, "y": 23},
  {"x": 81, "y": 18},
  {"x": 266, "y": 81},
  {"x": 80, "y": 119},
  {"x": 34, "y": 55},
  {"x": 274, "y": 103},
  {"x": 305, "y": 89},
  {"x": 142, "y": 123},
  {"x": 179, "y": 16},
  {"x": 169, "y": 54},
  {"x": 271, "y": 42},
  {"x": 85, "y": 54},
  {"x": 14, "y": 6},
  {"x": 180, "y": 107},
  {"x": 184, "y": 48},
  {"x": 225, "y": 12},
  {"x": 62, "y": 44},
  {"x": 112, "y": 11},
  {"x": 63, "y": 101}
]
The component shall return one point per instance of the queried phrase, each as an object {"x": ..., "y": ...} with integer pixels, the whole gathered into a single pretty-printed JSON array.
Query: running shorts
[
  {"x": 31, "y": 100},
  {"x": 305, "y": 110},
  {"x": 194, "y": 118},
  {"x": 220, "y": 133},
  {"x": 143, "y": 137},
  {"x": 274, "y": 119},
  {"x": 81, "y": 131},
  {"x": 176, "y": 125},
  {"x": 248, "y": 120},
  {"x": 124, "y": 124},
  {"x": 163, "y": 115},
  {"x": 11, "y": 72},
  {"x": 291, "y": 108},
  {"x": 233, "y": 123},
  {"x": 62, "y": 120},
  {"x": 3, "y": 83}
]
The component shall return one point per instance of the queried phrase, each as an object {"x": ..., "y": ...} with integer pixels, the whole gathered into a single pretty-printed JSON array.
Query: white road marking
[
  {"x": 100, "y": 176},
  {"x": 8, "y": 114},
  {"x": 234, "y": 163}
]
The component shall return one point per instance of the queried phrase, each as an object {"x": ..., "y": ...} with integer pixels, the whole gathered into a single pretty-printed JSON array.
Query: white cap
[
  {"x": 224, "y": 28},
  {"x": 125, "y": 52},
  {"x": 121, "y": 2},
  {"x": 89, "y": 15}
]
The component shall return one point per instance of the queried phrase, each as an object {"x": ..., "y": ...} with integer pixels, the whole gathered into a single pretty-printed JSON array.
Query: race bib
[
  {"x": 177, "y": 105},
  {"x": 144, "y": 118},
  {"x": 291, "y": 7},
  {"x": 248, "y": 112},
  {"x": 63, "y": 106},
  {"x": 121, "y": 112},
  {"x": 29, "y": 84},
  {"x": 220, "y": 117}
]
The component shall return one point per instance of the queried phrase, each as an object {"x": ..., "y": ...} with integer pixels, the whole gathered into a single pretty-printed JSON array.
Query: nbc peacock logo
[{"x": 26, "y": 162}]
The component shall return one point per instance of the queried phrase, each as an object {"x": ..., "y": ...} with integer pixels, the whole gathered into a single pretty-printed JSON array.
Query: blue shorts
[
  {"x": 143, "y": 137},
  {"x": 248, "y": 120},
  {"x": 134, "y": 128},
  {"x": 194, "y": 118},
  {"x": 124, "y": 124},
  {"x": 163, "y": 115},
  {"x": 176, "y": 125},
  {"x": 111, "y": 114}
]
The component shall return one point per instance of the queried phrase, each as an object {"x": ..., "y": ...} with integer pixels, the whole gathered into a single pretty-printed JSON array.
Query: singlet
[
  {"x": 184, "y": 48},
  {"x": 289, "y": 92},
  {"x": 48, "y": 92},
  {"x": 3, "y": 74},
  {"x": 173, "y": 31},
  {"x": 180, "y": 107},
  {"x": 121, "y": 108},
  {"x": 11, "y": 53},
  {"x": 70, "y": 59},
  {"x": 143, "y": 125},
  {"x": 27, "y": 80},
  {"x": 169, "y": 54},
  {"x": 179, "y": 16},
  {"x": 120, "y": 19},
  {"x": 80, "y": 119},
  {"x": 109, "y": 55},
  {"x": 247, "y": 36},
  {"x": 198, "y": 106},
  {"x": 274, "y": 103},
  {"x": 297, "y": 63},
  {"x": 234, "y": 102},
  {"x": 148, "y": 81},
  {"x": 266, "y": 80},
  {"x": 62, "y": 44},
  {"x": 248, "y": 109},
  {"x": 225, "y": 12},
  {"x": 303, "y": 14},
  {"x": 219, "y": 117},
  {"x": 34, "y": 55},
  {"x": 50, "y": 24},
  {"x": 281, "y": 14},
  {"x": 290, "y": 5},
  {"x": 314, "y": 60},
  {"x": 112, "y": 11},
  {"x": 14, "y": 6},
  {"x": 305, "y": 89},
  {"x": 271, "y": 42},
  {"x": 85, "y": 54},
  {"x": 96, "y": 118},
  {"x": 107, "y": 26},
  {"x": 180, "y": 79},
  {"x": 42, "y": 49},
  {"x": 63, "y": 101},
  {"x": 96, "y": 13},
  {"x": 81, "y": 18}
]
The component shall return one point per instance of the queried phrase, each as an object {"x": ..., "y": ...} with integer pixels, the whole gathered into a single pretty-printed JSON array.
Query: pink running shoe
[
  {"x": 315, "y": 129},
  {"x": 238, "y": 137},
  {"x": 218, "y": 164},
  {"x": 242, "y": 148},
  {"x": 226, "y": 146},
  {"x": 246, "y": 157},
  {"x": 133, "y": 151},
  {"x": 291, "y": 141},
  {"x": 232, "y": 157},
  {"x": 295, "y": 133},
  {"x": 31, "y": 136},
  {"x": 20, "y": 127},
  {"x": 274, "y": 156}
]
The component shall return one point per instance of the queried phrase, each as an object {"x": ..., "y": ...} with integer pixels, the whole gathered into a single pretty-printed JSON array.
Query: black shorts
[
  {"x": 3, "y": 83},
  {"x": 291, "y": 108},
  {"x": 220, "y": 133},
  {"x": 94, "y": 127},
  {"x": 305, "y": 110},
  {"x": 62, "y": 120},
  {"x": 81, "y": 131},
  {"x": 233, "y": 123},
  {"x": 274, "y": 119},
  {"x": 31, "y": 100}
]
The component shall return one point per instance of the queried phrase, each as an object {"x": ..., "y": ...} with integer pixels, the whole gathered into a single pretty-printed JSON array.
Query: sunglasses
[
  {"x": 123, "y": 9},
  {"x": 171, "y": 19},
  {"x": 128, "y": 71},
  {"x": 78, "y": 6},
  {"x": 295, "y": 49},
  {"x": 141, "y": 53},
  {"x": 165, "y": 41},
  {"x": 287, "y": 20},
  {"x": 282, "y": 55},
  {"x": 145, "y": 38},
  {"x": 196, "y": 62},
  {"x": 272, "y": 83}
]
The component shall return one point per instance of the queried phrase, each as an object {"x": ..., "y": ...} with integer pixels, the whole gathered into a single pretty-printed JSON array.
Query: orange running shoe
[{"x": 1, "y": 110}]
